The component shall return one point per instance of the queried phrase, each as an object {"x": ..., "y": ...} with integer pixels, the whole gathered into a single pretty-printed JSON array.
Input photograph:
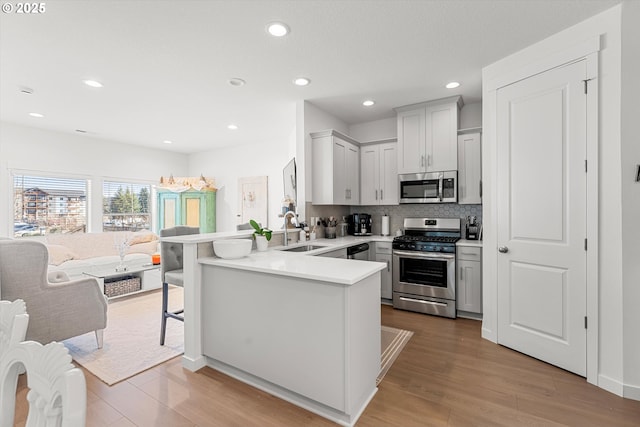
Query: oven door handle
[
  {"x": 421, "y": 301},
  {"x": 424, "y": 255}
]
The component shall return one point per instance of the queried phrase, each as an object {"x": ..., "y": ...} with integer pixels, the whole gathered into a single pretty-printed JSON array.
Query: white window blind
[
  {"x": 126, "y": 206},
  {"x": 44, "y": 204}
]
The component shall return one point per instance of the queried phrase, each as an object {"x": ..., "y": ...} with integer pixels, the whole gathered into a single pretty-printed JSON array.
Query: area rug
[
  {"x": 132, "y": 337},
  {"x": 392, "y": 341}
]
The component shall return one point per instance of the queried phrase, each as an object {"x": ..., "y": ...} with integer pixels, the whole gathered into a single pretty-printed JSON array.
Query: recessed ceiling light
[
  {"x": 301, "y": 81},
  {"x": 236, "y": 82},
  {"x": 92, "y": 83},
  {"x": 38, "y": 115},
  {"x": 368, "y": 103},
  {"x": 166, "y": 141},
  {"x": 81, "y": 131},
  {"x": 232, "y": 127},
  {"x": 25, "y": 90},
  {"x": 278, "y": 29},
  {"x": 452, "y": 85}
]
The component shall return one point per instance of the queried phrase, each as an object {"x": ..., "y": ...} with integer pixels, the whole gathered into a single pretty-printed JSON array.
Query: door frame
[{"x": 511, "y": 73}]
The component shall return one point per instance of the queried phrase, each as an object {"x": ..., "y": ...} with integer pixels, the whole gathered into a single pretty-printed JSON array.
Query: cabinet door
[
  {"x": 168, "y": 210},
  {"x": 369, "y": 164},
  {"x": 411, "y": 141},
  {"x": 469, "y": 292},
  {"x": 388, "y": 174},
  {"x": 339, "y": 172},
  {"x": 441, "y": 124},
  {"x": 385, "y": 276},
  {"x": 469, "y": 169},
  {"x": 352, "y": 167}
]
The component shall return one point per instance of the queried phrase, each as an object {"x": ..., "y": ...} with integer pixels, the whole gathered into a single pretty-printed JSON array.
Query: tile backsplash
[{"x": 398, "y": 213}]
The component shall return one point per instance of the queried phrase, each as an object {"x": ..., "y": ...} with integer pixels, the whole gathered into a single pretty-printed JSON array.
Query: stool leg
[{"x": 165, "y": 303}]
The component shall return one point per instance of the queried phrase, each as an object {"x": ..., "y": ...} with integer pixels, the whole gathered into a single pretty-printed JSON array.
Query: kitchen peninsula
[{"x": 301, "y": 327}]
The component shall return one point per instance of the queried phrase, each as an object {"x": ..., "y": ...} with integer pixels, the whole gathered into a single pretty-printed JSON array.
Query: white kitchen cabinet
[
  {"x": 469, "y": 279},
  {"x": 427, "y": 136},
  {"x": 335, "y": 169},
  {"x": 469, "y": 169},
  {"x": 383, "y": 254},
  {"x": 378, "y": 174}
]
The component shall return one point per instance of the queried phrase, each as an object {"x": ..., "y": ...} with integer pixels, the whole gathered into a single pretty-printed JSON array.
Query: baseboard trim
[
  {"x": 632, "y": 392},
  {"x": 193, "y": 364},
  {"x": 611, "y": 385},
  {"x": 488, "y": 334}
]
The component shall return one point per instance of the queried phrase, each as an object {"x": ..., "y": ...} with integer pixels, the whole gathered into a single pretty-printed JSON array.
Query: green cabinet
[{"x": 192, "y": 208}]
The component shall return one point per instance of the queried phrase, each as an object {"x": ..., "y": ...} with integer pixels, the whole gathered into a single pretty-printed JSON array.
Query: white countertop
[
  {"x": 302, "y": 265},
  {"x": 470, "y": 243},
  {"x": 298, "y": 264}
]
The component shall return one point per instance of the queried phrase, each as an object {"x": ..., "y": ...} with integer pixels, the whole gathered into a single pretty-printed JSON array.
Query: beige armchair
[{"x": 57, "y": 311}]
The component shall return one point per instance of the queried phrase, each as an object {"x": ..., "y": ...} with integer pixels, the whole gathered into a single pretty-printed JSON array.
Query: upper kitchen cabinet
[
  {"x": 469, "y": 169},
  {"x": 336, "y": 169},
  {"x": 427, "y": 136},
  {"x": 379, "y": 176}
]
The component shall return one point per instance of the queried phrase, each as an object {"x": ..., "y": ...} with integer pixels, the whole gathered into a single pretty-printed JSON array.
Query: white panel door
[
  {"x": 541, "y": 197},
  {"x": 369, "y": 175}
]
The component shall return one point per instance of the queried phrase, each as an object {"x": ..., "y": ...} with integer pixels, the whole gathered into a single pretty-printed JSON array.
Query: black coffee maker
[
  {"x": 359, "y": 224},
  {"x": 473, "y": 228}
]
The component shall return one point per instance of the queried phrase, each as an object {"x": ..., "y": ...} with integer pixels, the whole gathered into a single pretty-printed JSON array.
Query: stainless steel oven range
[{"x": 424, "y": 266}]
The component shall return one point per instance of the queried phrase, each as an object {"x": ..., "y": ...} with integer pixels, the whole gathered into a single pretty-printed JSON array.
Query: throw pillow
[
  {"x": 59, "y": 254},
  {"x": 142, "y": 237}
]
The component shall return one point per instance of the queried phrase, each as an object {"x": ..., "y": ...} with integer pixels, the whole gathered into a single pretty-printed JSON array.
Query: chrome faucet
[{"x": 295, "y": 222}]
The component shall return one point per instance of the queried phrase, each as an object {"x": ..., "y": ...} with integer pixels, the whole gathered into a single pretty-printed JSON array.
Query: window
[
  {"x": 126, "y": 206},
  {"x": 44, "y": 205}
]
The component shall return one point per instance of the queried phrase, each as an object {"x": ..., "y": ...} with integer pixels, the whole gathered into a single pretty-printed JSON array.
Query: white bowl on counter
[{"x": 232, "y": 248}]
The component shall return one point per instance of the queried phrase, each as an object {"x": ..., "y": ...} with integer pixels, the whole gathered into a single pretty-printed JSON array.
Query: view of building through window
[
  {"x": 126, "y": 206},
  {"x": 44, "y": 205}
]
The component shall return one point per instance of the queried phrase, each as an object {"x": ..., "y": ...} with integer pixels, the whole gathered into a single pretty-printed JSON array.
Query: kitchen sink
[{"x": 304, "y": 248}]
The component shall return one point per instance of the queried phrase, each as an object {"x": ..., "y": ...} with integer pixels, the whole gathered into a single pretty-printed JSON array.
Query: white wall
[
  {"x": 610, "y": 346},
  {"x": 630, "y": 157},
  {"x": 374, "y": 130},
  {"x": 226, "y": 165},
  {"x": 471, "y": 115},
  {"x": 36, "y": 150}
]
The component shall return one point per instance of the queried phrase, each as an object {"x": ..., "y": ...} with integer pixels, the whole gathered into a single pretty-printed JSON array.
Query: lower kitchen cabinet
[
  {"x": 469, "y": 281},
  {"x": 383, "y": 254}
]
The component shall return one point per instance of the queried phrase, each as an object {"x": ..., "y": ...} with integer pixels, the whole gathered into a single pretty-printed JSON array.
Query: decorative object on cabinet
[
  {"x": 335, "y": 169},
  {"x": 252, "y": 199},
  {"x": 427, "y": 136},
  {"x": 187, "y": 201},
  {"x": 378, "y": 174},
  {"x": 469, "y": 169}
]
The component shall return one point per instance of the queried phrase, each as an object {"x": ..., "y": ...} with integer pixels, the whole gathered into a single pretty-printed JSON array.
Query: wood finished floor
[{"x": 446, "y": 376}]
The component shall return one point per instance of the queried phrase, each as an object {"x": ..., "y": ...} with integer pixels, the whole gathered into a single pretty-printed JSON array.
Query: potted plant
[{"x": 262, "y": 235}]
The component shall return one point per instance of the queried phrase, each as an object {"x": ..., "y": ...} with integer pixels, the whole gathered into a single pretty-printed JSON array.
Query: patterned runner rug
[{"x": 392, "y": 342}]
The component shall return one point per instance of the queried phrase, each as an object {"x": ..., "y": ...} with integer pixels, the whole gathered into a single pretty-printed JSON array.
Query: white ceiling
[{"x": 165, "y": 65}]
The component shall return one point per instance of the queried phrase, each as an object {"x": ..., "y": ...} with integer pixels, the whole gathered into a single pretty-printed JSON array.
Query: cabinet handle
[
  {"x": 376, "y": 194},
  {"x": 346, "y": 194},
  {"x": 480, "y": 184},
  {"x": 388, "y": 266},
  {"x": 381, "y": 194},
  {"x": 429, "y": 160},
  {"x": 422, "y": 160},
  {"x": 461, "y": 274}
]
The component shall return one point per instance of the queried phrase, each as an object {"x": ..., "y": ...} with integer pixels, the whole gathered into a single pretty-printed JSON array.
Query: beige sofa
[{"x": 74, "y": 253}]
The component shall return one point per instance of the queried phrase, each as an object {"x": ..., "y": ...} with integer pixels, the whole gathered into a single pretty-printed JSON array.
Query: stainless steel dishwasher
[{"x": 360, "y": 252}]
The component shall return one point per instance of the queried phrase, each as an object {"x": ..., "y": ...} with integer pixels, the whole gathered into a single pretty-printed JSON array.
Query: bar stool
[{"x": 171, "y": 271}]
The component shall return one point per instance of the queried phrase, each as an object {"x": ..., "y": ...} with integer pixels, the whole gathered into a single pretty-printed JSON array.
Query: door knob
[{"x": 503, "y": 249}]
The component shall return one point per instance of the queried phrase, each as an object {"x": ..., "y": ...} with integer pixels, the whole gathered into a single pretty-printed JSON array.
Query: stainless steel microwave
[{"x": 429, "y": 187}]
